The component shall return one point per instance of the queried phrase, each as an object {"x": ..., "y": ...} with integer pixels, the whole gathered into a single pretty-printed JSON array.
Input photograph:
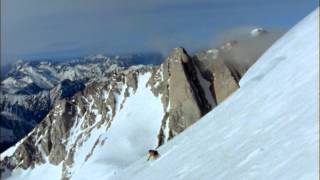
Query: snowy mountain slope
[
  {"x": 94, "y": 130},
  {"x": 125, "y": 141},
  {"x": 31, "y": 88},
  {"x": 38, "y": 84},
  {"x": 108, "y": 117},
  {"x": 265, "y": 130},
  {"x": 112, "y": 122},
  {"x": 118, "y": 117},
  {"x": 106, "y": 140}
]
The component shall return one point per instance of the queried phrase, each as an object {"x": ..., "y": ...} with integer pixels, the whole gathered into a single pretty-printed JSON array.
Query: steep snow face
[
  {"x": 266, "y": 130},
  {"x": 134, "y": 131}
]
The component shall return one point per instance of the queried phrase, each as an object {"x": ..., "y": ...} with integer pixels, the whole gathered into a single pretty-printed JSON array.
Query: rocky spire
[{"x": 184, "y": 100}]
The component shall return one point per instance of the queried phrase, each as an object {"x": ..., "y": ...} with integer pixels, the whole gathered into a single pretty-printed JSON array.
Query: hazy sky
[{"x": 62, "y": 28}]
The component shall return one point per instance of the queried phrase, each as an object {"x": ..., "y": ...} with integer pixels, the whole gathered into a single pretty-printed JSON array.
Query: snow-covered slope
[
  {"x": 266, "y": 130},
  {"x": 96, "y": 135},
  {"x": 103, "y": 143},
  {"x": 125, "y": 141}
]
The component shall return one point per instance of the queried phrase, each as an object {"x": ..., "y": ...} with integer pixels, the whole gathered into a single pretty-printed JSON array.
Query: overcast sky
[{"x": 65, "y": 28}]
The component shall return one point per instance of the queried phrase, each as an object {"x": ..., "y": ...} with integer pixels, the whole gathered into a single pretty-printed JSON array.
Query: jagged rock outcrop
[
  {"x": 224, "y": 82},
  {"x": 184, "y": 100},
  {"x": 17, "y": 108},
  {"x": 223, "y": 68}
]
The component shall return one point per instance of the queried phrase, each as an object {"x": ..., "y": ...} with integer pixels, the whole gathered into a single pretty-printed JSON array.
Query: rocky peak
[
  {"x": 184, "y": 100},
  {"x": 223, "y": 68},
  {"x": 179, "y": 54}
]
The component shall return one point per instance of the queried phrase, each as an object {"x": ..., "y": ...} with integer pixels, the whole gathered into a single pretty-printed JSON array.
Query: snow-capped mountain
[
  {"x": 113, "y": 121},
  {"x": 32, "y": 77},
  {"x": 29, "y": 77},
  {"x": 130, "y": 111}
]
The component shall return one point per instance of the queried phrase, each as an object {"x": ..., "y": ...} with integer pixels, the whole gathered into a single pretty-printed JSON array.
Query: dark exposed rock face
[
  {"x": 49, "y": 135},
  {"x": 185, "y": 107},
  {"x": 183, "y": 98},
  {"x": 15, "y": 108},
  {"x": 68, "y": 88},
  {"x": 223, "y": 80},
  {"x": 223, "y": 68}
]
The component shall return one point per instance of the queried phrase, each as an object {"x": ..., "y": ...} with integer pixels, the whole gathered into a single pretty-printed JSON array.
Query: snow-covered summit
[{"x": 258, "y": 32}]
